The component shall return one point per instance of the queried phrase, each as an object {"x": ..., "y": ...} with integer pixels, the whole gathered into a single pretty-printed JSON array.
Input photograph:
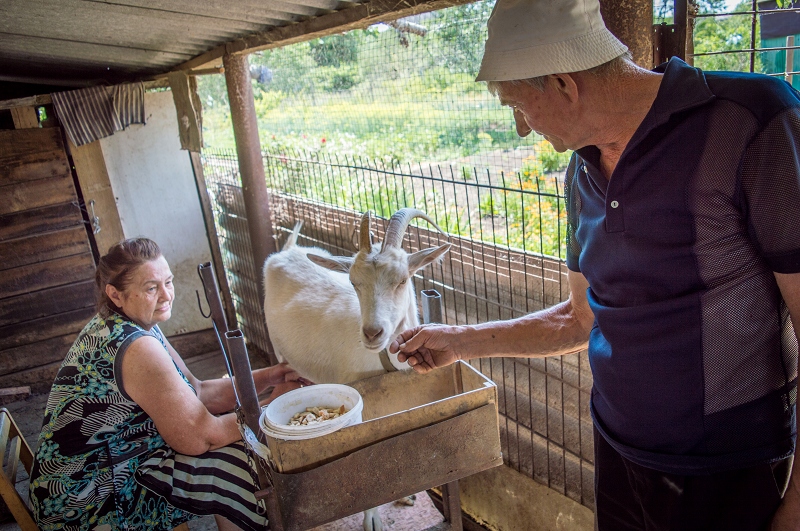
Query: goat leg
[{"x": 372, "y": 520}]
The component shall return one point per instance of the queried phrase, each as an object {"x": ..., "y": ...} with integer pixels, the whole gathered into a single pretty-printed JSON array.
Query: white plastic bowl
[{"x": 275, "y": 417}]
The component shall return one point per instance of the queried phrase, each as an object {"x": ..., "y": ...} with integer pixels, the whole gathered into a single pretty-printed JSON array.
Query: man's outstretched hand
[{"x": 427, "y": 347}]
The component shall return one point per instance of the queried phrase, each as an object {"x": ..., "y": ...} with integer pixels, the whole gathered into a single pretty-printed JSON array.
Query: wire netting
[
  {"x": 744, "y": 36},
  {"x": 544, "y": 404},
  {"x": 390, "y": 117}
]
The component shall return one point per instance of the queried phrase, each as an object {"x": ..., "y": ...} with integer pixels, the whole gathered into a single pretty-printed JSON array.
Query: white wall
[{"x": 157, "y": 198}]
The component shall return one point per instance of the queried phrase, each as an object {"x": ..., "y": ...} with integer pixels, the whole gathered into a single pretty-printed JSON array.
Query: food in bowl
[{"x": 316, "y": 414}]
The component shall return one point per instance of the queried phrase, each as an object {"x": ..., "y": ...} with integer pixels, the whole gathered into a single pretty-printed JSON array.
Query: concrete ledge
[{"x": 502, "y": 499}]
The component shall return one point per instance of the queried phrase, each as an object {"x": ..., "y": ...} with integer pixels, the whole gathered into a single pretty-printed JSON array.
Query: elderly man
[{"x": 684, "y": 267}]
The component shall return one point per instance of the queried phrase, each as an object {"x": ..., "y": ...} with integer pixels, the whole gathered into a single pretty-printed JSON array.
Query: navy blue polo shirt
[{"x": 693, "y": 353}]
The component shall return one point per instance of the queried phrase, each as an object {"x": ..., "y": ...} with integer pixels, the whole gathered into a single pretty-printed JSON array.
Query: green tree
[
  {"x": 335, "y": 50},
  {"x": 728, "y": 33}
]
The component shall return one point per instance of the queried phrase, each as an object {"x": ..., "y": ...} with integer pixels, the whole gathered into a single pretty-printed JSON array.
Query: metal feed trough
[{"x": 445, "y": 430}]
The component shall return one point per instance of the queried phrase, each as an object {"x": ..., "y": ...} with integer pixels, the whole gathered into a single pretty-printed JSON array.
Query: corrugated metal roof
[{"x": 89, "y": 42}]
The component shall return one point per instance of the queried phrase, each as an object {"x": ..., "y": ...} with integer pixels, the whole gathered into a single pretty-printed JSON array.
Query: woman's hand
[
  {"x": 281, "y": 373},
  {"x": 280, "y": 389},
  {"x": 283, "y": 379},
  {"x": 276, "y": 375}
]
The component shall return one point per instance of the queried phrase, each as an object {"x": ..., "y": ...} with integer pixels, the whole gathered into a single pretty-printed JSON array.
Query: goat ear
[
  {"x": 424, "y": 257},
  {"x": 334, "y": 263}
]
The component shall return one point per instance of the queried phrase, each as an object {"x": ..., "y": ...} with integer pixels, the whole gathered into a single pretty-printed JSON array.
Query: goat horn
[
  {"x": 399, "y": 223},
  {"x": 365, "y": 236}
]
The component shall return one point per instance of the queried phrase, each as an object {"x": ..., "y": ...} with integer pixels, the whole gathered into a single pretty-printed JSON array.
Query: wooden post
[
  {"x": 251, "y": 167},
  {"x": 24, "y": 117},
  {"x": 631, "y": 21},
  {"x": 213, "y": 238},
  {"x": 789, "y": 59},
  {"x": 90, "y": 167}
]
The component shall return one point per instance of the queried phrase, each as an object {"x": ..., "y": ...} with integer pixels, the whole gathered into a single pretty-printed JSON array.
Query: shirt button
[{"x": 614, "y": 204}]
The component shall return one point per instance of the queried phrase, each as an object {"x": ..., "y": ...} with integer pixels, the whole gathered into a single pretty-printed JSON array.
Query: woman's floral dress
[{"x": 94, "y": 439}]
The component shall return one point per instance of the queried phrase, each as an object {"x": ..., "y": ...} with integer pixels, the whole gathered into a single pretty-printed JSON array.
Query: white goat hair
[{"x": 330, "y": 316}]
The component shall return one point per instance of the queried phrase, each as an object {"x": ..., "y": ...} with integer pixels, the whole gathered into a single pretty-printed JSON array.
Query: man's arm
[
  {"x": 788, "y": 515},
  {"x": 560, "y": 329}
]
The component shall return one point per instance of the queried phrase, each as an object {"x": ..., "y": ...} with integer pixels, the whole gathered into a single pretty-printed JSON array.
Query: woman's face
[{"x": 148, "y": 298}]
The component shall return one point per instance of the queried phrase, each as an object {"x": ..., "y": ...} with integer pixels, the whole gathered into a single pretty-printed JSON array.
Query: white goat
[
  {"x": 331, "y": 316},
  {"x": 330, "y": 322}
]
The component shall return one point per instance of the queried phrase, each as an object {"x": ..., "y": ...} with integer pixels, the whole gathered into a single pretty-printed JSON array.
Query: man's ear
[{"x": 566, "y": 86}]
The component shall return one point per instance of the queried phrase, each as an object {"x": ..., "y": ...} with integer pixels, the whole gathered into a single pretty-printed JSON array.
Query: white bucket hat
[{"x": 531, "y": 38}]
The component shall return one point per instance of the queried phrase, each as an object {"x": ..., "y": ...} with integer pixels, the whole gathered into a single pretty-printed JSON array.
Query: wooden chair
[{"x": 11, "y": 438}]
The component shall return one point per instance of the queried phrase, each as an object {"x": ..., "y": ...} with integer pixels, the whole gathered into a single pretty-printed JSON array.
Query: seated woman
[{"x": 130, "y": 439}]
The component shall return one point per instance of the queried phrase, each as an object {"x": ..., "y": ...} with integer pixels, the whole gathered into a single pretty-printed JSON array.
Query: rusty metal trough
[{"x": 418, "y": 432}]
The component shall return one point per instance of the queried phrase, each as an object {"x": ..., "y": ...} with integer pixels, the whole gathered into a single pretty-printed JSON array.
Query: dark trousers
[{"x": 630, "y": 497}]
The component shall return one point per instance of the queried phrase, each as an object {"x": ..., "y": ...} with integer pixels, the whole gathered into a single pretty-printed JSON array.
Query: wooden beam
[
  {"x": 36, "y": 194},
  {"x": 49, "y": 327},
  {"x": 35, "y": 354},
  {"x": 251, "y": 166},
  {"x": 189, "y": 127},
  {"x": 156, "y": 81},
  {"x": 43, "y": 275},
  {"x": 35, "y": 101},
  {"x": 40, "y": 379},
  {"x": 25, "y": 117},
  {"x": 197, "y": 72},
  {"x": 41, "y": 303},
  {"x": 631, "y": 21},
  {"x": 41, "y": 247},
  {"x": 30, "y": 222},
  {"x": 359, "y": 16},
  {"x": 90, "y": 167},
  {"x": 13, "y": 394}
]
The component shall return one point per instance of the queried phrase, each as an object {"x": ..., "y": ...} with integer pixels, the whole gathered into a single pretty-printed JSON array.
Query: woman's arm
[
  {"x": 149, "y": 377},
  {"x": 217, "y": 394}
]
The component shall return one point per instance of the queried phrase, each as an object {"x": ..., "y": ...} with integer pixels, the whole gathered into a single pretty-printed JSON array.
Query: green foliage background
[{"x": 381, "y": 97}]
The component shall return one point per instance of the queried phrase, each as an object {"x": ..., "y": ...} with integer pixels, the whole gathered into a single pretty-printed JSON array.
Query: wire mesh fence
[
  {"x": 391, "y": 117},
  {"x": 745, "y": 36},
  {"x": 493, "y": 271}
]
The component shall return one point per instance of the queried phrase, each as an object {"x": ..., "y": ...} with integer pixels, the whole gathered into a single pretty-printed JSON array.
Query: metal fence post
[
  {"x": 243, "y": 383},
  {"x": 431, "y": 306},
  {"x": 451, "y": 496}
]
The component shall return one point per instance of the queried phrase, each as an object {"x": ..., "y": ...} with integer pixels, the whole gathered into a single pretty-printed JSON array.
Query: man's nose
[{"x": 523, "y": 129}]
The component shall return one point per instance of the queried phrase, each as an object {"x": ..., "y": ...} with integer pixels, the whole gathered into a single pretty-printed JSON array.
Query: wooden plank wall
[{"x": 47, "y": 267}]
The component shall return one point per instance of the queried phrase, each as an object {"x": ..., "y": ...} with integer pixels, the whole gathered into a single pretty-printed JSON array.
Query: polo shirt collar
[{"x": 683, "y": 87}]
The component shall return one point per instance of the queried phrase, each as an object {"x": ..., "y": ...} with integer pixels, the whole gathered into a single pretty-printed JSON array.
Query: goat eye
[{"x": 402, "y": 282}]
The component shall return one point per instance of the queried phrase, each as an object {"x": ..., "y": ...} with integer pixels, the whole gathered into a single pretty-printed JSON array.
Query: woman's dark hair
[{"x": 117, "y": 266}]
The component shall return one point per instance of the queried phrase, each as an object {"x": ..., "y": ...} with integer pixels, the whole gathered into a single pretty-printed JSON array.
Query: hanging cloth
[{"x": 97, "y": 112}]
